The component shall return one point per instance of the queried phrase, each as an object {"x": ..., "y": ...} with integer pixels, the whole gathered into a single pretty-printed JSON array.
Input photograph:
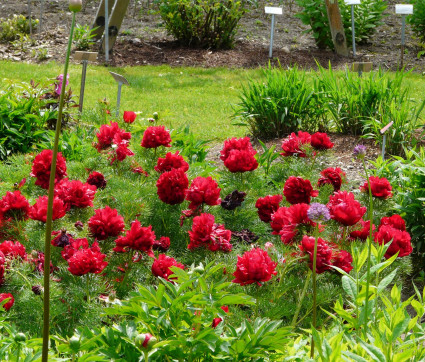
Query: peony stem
[
  {"x": 88, "y": 287},
  {"x": 46, "y": 309},
  {"x": 369, "y": 246},
  {"x": 303, "y": 293},
  {"x": 314, "y": 289}
]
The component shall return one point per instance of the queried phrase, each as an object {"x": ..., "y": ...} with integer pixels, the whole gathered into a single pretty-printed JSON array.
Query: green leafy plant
[
  {"x": 204, "y": 23},
  {"x": 192, "y": 147},
  {"x": 284, "y": 102},
  {"x": 18, "y": 25},
  {"x": 367, "y": 17},
  {"x": 417, "y": 19},
  {"x": 83, "y": 37}
]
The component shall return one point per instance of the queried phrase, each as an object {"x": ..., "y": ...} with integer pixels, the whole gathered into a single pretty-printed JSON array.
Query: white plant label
[
  {"x": 274, "y": 11},
  {"x": 404, "y": 9}
]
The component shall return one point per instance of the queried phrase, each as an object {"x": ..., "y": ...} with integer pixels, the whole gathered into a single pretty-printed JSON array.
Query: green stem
[
  {"x": 88, "y": 287},
  {"x": 369, "y": 245},
  {"x": 314, "y": 289},
  {"x": 46, "y": 308},
  {"x": 303, "y": 293},
  {"x": 146, "y": 356},
  {"x": 18, "y": 354}
]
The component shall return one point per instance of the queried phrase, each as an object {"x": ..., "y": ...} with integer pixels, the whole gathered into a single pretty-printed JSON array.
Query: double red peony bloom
[
  {"x": 205, "y": 233},
  {"x": 87, "y": 260},
  {"x": 393, "y": 229},
  {"x": 161, "y": 266},
  {"x": 321, "y": 141},
  {"x": 110, "y": 134},
  {"x": 97, "y": 179},
  {"x": 293, "y": 144},
  {"x": 39, "y": 210},
  {"x": 345, "y": 209},
  {"x": 41, "y": 168},
  {"x": 332, "y": 176},
  {"x": 267, "y": 205},
  {"x": 129, "y": 116},
  {"x": 171, "y": 161},
  {"x": 13, "y": 250},
  {"x": 203, "y": 190},
  {"x": 254, "y": 266},
  {"x": 381, "y": 188},
  {"x": 363, "y": 233},
  {"x": 9, "y": 303},
  {"x": 106, "y": 223},
  {"x": 297, "y": 190},
  {"x": 156, "y": 136},
  {"x": 75, "y": 193},
  {"x": 137, "y": 238},
  {"x": 14, "y": 205},
  {"x": 172, "y": 186},
  {"x": 238, "y": 155}
]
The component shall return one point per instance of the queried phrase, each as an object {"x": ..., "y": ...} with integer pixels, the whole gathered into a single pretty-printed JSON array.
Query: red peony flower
[
  {"x": 363, "y": 233},
  {"x": 61, "y": 239},
  {"x": 75, "y": 193},
  {"x": 238, "y": 155},
  {"x": 345, "y": 209},
  {"x": 218, "y": 320},
  {"x": 129, "y": 117},
  {"x": 343, "y": 260},
  {"x": 14, "y": 205},
  {"x": 73, "y": 246},
  {"x": 172, "y": 186},
  {"x": 13, "y": 250},
  {"x": 400, "y": 241},
  {"x": 323, "y": 256},
  {"x": 110, "y": 134},
  {"x": 203, "y": 190},
  {"x": 298, "y": 214},
  {"x": 9, "y": 303},
  {"x": 267, "y": 206},
  {"x": 292, "y": 145},
  {"x": 39, "y": 210},
  {"x": 2, "y": 268},
  {"x": 396, "y": 221},
  {"x": 170, "y": 162},
  {"x": 298, "y": 190},
  {"x": 85, "y": 261},
  {"x": 254, "y": 266},
  {"x": 280, "y": 219},
  {"x": 321, "y": 141},
  {"x": 41, "y": 168},
  {"x": 156, "y": 136},
  {"x": 137, "y": 238},
  {"x": 332, "y": 176},
  {"x": 205, "y": 233},
  {"x": 161, "y": 266},
  {"x": 97, "y": 179},
  {"x": 106, "y": 223},
  {"x": 380, "y": 187},
  {"x": 37, "y": 258},
  {"x": 163, "y": 244}
]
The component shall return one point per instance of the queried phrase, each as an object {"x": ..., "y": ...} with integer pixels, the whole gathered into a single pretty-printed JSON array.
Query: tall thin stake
[{"x": 46, "y": 316}]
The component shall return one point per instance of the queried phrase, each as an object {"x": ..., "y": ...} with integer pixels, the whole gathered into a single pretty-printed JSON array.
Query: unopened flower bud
[
  {"x": 75, "y": 5},
  {"x": 145, "y": 341},
  {"x": 155, "y": 116},
  {"x": 20, "y": 337},
  {"x": 37, "y": 289}
]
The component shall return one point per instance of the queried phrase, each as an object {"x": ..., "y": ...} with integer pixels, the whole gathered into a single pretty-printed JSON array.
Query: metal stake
[
  {"x": 403, "y": 28},
  {"x": 83, "y": 84},
  {"x": 30, "y": 17},
  {"x": 383, "y": 146},
  {"x": 353, "y": 31},
  {"x": 106, "y": 32},
  {"x": 41, "y": 17},
  {"x": 118, "y": 99},
  {"x": 271, "y": 38}
]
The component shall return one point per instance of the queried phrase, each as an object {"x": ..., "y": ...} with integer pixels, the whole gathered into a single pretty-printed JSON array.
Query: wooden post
[
  {"x": 115, "y": 21},
  {"x": 337, "y": 27}
]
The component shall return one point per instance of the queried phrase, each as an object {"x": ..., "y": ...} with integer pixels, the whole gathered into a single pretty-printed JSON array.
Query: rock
[
  {"x": 286, "y": 50},
  {"x": 136, "y": 41}
]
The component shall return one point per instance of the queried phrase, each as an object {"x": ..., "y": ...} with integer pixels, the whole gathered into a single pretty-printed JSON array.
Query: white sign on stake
[
  {"x": 352, "y": 2},
  {"x": 404, "y": 9},
  {"x": 273, "y": 12}
]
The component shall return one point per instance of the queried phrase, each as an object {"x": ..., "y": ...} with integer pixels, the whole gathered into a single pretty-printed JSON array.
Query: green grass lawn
[{"x": 202, "y": 98}]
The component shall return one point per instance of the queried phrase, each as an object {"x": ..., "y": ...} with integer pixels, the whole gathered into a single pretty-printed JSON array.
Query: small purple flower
[
  {"x": 318, "y": 212},
  {"x": 359, "y": 151},
  {"x": 58, "y": 84}
]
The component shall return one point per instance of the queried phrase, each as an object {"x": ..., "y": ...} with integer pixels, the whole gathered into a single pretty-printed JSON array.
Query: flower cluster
[
  {"x": 296, "y": 145},
  {"x": 111, "y": 137},
  {"x": 238, "y": 155},
  {"x": 41, "y": 168},
  {"x": 170, "y": 162},
  {"x": 203, "y": 190},
  {"x": 156, "y": 136},
  {"x": 206, "y": 233},
  {"x": 87, "y": 260}
]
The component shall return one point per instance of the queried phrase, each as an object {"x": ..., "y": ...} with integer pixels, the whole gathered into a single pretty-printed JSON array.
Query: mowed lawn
[{"x": 199, "y": 97}]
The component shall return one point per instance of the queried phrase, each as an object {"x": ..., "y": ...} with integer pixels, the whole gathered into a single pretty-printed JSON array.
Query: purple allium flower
[
  {"x": 318, "y": 212},
  {"x": 359, "y": 151},
  {"x": 58, "y": 84}
]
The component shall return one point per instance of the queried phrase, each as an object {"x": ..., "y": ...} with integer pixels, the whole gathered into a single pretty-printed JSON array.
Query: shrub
[
  {"x": 83, "y": 37},
  {"x": 367, "y": 16},
  {"x": 203, "y": 23},
  {"x": 352, "y": 100},
  {"x": 10, "y": 29},
  {"x": 284, "y": 102},
  {"x": 417, "y": 19}
]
